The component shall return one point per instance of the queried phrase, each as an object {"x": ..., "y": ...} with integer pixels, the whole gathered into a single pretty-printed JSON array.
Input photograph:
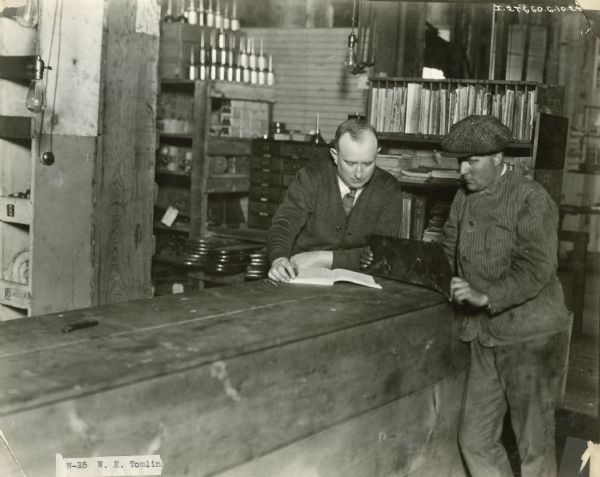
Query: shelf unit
[
  {"x": 204, "y": 175},
  {"x": 414, "y": 114},
  {"x": 16, "y": 206}
]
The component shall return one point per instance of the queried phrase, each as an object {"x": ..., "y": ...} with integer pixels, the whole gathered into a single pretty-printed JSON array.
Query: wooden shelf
[
  {"x": 15, "y": 127},
  {"x": 217, "y": 145},
  {"x": 175, "y": 261},
  {"x": 16, "y": 210},
  {"x": 522, "y": 147},
  {"x": 15, "y": 294},
  {"x": 227, "y": 89},
  {"x": 229, "y": 146},
  {"x": 177, "y": 136},
  {"x": 228, "y": 183},
  {"x": 378, "y": 79},
  {"x": 430, "y": 184},
  {"x": 217, "y": 183},
  {"x": 244, "y": 233},
  {"x": 174, "y": 228},
  {"x": 242, "y": 91},
  {"x": 17, "y": 68},
  {"x": 177, "y": 177}
]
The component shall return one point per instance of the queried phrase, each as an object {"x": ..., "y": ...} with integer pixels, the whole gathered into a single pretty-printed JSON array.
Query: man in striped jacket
[{"x": 501, "y": 240}]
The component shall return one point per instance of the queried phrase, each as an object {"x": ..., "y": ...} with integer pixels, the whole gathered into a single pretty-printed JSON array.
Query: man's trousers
[{"x": 526, "y": 378}]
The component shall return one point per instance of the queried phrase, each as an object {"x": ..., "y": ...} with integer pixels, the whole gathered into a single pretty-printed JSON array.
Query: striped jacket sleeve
[{"x": 534, "y": 258}]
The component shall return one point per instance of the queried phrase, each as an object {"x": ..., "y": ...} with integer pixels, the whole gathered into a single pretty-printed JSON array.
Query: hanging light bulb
[
  {"x": 27, "y": 15},
  {"x": 351, "y": 60},
  {"x": 36, "y": 96}
]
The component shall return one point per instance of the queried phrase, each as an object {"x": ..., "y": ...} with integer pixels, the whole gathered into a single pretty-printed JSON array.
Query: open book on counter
[{"x": 325, "y": 276}]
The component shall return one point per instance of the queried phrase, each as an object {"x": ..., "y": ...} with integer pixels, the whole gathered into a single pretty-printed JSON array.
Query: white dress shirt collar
[{"x": 344, "y": 189}]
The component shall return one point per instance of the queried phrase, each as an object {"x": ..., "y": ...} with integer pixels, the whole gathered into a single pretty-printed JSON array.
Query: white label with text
[{"x": 120, "y": 465}]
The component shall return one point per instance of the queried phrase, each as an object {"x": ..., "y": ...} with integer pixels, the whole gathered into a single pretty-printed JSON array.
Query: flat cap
[{"x": 476, "y": 136}]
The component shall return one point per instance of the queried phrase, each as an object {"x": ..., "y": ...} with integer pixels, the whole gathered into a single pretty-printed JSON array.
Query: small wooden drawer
[
  {"x": 261, "y": 193},
  {"x": 267, "y": 178},
  {"x": 297, "y": 150},
  {"x": 261, "y": 147},
  {"x": 263, "y": 209},
  {"x": 256, "y": 221},
  {"x": 265, "y": 163},
  {"x": 286, "y": 165}
]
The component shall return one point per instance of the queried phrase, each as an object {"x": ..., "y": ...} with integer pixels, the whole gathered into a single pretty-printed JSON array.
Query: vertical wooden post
[
  {"x": 389, "y": 45},
  {"x": 400, "y": 38},
  {"x": 551, "y": 60},
  {"x": 124, "y": 176},
  {"x": 201, "y": 170},
  {"x": 501, "y": 50},
  {"x": 411, "y": 63},
  {"x": 525, "y": 64}
]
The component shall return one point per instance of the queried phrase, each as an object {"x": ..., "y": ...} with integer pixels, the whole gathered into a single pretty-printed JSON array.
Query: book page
[
  {"x": 314, "y": 276},
  {"x": 324, "y": 276},
  {"x": 341, "y": 274}
]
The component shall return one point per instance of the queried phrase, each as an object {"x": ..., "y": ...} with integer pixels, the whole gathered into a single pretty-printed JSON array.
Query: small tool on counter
[
  {"x": 272, "y": 282},
  {"x": 79, "y": 325}
]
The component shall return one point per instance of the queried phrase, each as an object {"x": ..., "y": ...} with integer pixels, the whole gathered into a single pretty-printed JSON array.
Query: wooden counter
[{"x": 243, "y": 380}]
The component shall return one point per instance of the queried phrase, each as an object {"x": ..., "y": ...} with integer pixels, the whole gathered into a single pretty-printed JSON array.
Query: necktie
[{"x": 348, "y": 200}]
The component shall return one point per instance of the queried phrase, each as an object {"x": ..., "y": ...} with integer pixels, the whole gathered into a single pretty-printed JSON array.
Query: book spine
[
  {"x": 406, "y": 214},
  {"x": 417, "y": 225}
]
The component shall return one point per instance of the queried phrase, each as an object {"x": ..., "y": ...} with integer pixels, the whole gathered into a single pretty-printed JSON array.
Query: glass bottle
[
  {"x": 202, "y": 68},
  {"x": 210, "y": 17},
  {"x": 192, "y": 14},
  {"x": 235, "y": 23},
  {"x": 270, "y": 74},
  {"x": 218, "y": 16}
]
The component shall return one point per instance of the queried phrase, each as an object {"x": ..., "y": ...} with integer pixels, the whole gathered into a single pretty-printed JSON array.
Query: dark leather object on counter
[{"x": 411, "y": 261}]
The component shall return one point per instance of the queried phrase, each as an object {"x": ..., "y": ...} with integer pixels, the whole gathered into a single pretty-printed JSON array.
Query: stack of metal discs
[
  {"x": 195, "y": 251},
  {"x": 259, "y": 265},
  {"x": 230, "y": 259}
]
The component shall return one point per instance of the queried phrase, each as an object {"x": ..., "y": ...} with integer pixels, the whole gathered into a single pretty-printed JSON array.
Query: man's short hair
[{"x": 357, "y": 128}]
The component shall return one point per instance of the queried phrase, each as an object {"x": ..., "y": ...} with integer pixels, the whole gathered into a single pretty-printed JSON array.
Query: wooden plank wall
[
  {"x": 310, "y": 77},
  {"x": 124, "y": 193}
]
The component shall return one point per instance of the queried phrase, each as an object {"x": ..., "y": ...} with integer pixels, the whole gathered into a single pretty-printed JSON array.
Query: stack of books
[
  {"x": 419, "y": 174},
  {"x": 437, "y": 218},
  {"x": 431, "y": 108},
  {"x": 449, "y": 175},
  {"x": 414, "y": 211}
]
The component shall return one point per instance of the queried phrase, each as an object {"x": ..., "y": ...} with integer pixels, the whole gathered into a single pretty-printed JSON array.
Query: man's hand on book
[
  {"x": 282, "y": 270},
  {"x": 318, "y": 259}
]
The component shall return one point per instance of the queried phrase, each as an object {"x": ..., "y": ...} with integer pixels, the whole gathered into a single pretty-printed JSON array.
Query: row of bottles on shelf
[
  {"x": 223, "y": 60},
  {"x": 195, "y": 13}
]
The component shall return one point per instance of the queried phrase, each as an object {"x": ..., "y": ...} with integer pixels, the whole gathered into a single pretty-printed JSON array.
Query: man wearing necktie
[{"x": 331, "y": 207}]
